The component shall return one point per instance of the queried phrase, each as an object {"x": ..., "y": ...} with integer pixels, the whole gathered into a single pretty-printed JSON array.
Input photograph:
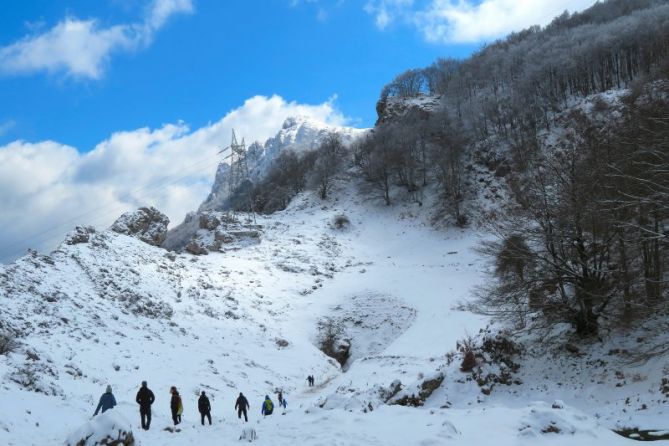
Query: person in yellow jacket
[{"x": 176, "y": 405}]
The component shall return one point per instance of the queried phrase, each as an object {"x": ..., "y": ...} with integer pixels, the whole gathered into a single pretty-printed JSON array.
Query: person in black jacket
[
  {"x": 145, "y": 398},
  {"x": 242, "y": 407},
  {"x": 204, "y": 407},
  {"x": 175, "y": 405}
]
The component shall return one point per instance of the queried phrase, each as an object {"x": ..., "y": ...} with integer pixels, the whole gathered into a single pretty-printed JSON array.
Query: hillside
[{"x": 115, "y": 310}]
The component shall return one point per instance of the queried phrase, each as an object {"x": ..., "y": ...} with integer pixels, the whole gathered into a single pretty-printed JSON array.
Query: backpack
[
  {"x": 180, "y": 410},
  {"x": 269, "y": 407}
]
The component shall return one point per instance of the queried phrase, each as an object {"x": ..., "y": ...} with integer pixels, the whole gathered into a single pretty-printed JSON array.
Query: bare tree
[{"x": 329, "y": 156}]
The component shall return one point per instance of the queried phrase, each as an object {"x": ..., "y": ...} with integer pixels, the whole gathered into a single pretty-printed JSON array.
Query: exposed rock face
[
  {"x": 211, "y": 231},
  {"x": 220, "y": 190},
  {"x": 416, "y": 394},
  {"x": 147, "y": 224},
  {"x": 80, "y": 234},
  {"x": 391, "y": 108}
]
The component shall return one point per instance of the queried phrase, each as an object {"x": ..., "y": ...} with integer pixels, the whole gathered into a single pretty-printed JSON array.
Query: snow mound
[
  {"x": 147, "y": 224},
  {"x": 248, "y": 434},
  {"x": 109, "y": 428},
  {"x": 542, "y": 419},
  {"x": 343, "y": 402}
]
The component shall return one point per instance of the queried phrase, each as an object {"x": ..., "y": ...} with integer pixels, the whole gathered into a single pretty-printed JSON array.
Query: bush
[
  {"x": 466, "y": 347},
  {"x": 341, "y": 222},
  {"x": 491, "y": 360},
  {"x": 8, "y": 343}
]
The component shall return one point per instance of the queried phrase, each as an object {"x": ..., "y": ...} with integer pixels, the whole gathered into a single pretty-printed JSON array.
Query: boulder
[
  {"x": 109, "y": 429},
  {"x": 209, "y": 221},
  {"x": 80, "y": 234},
  {"x": 197, "y": 247},
  {"x": 147, "y": 224}
]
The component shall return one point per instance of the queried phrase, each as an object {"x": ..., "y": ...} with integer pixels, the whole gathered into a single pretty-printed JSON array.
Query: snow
[
  {"x": 117, "y": 311},
  {"x": 110, "y": 425}
]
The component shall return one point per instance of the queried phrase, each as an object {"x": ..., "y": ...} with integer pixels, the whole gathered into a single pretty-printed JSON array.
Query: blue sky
[
  {"x": 202, "y": 64},
  {"x": 109, "y": 105}
]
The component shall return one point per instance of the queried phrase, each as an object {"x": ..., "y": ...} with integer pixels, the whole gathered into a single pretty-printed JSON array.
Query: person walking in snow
[
  {"x": 145, "y": 398},
  {"x": 310, "y": 379},
  {"x": 176, "y": 406},
  {"x": 282, "y": 401},
  {"x": 204, "y": 407},
  {"x": 107, "y": 401},
  {"x": 242, "y": 406},
  {"x": 267, "y": 406}
]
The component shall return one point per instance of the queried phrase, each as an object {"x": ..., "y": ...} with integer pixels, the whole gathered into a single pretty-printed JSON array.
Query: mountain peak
[{"x": 300, "y": 120}]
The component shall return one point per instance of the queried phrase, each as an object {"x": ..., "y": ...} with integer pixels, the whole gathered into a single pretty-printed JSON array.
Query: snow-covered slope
[{"x": 117, "y": 310}]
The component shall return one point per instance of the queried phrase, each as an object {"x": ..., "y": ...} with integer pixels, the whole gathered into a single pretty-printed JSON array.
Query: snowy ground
[{"x": 118, "y": 311}]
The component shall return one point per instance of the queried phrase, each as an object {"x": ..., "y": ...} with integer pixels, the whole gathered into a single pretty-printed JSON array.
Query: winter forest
[
  {"x": 571, "y": 118},
  {"x": 489, "y": 261}
]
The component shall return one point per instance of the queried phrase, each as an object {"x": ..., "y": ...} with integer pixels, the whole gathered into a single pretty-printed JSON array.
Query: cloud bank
[
  {"x": 81, "y": 48},
  {"x": 47, "y": 188},
  {"x": 467, "y": 21}
]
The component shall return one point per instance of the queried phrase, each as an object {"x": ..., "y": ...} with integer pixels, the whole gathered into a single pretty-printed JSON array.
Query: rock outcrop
[
  {"x": 80, "y": 234},
  {"x": 147, "y": 224},
  {"x": 392, "y": 108},
  {"x": 211, "y": 231}
]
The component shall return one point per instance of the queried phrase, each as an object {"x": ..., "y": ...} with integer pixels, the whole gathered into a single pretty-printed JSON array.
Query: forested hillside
[{"x": 555, "y": 139}]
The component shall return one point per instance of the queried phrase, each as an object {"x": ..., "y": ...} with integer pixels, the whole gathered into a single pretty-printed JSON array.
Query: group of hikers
[{"x": 145, "y": 398}]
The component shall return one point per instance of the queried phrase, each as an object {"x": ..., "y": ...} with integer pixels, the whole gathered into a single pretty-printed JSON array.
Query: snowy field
[{"x": 117, "y": 311}]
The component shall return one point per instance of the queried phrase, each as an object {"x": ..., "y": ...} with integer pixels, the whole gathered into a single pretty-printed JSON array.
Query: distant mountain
[{"x": 299, "y": 134}]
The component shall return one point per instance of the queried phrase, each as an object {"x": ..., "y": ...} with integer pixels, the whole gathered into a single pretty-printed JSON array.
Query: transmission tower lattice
[{"x": 239, "y": 169}]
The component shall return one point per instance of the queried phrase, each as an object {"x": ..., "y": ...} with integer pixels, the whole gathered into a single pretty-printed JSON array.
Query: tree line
[{"x": 588, "y": 240}]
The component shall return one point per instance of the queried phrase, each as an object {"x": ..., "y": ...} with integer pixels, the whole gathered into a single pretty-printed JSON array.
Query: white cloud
[
  {"x": 445, "y": 21},
  {"x": 467, "y": 21},
  {"x": 161, "y": 10},
  {"x": 81, "y": 48},
  {"x": 387, "y": 11},
  {"x": 47, "y": 188}
]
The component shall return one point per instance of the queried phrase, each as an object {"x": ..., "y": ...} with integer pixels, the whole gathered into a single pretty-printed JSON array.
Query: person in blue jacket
[
  {"x": 267, "y": 406},
  {"x": 107, "y": 401}
]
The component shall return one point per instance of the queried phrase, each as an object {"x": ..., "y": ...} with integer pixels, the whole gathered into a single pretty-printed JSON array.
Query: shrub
[
  {"x": 466, "y": 347},
  {"x": 341, "y": 222},
  {"x": 8, "y": 343}
]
